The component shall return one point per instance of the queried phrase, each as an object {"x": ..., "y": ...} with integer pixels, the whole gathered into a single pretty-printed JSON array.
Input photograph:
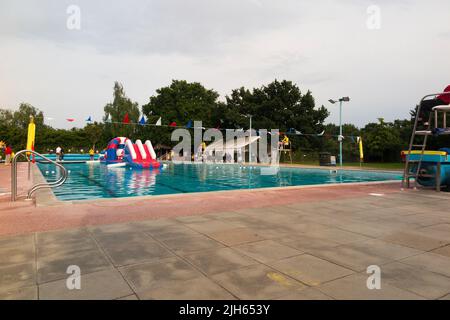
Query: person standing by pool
[
  {"x": 58, "y": 153},
  {"x": 8, "y": 152},
  {"x": 91, "y": 154}
]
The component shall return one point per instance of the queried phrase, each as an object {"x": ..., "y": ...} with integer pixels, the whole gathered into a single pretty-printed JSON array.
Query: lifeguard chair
[
  {"x": 429, "y": 168},
  {"x": 284, "y": 147}
]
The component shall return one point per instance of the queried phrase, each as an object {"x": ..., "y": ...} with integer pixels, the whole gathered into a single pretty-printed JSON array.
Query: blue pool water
[{"x": 96, "y": 180}]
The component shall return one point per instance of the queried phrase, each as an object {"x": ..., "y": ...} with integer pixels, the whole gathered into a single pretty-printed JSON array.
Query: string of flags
[{"x": 143, "y": 122}]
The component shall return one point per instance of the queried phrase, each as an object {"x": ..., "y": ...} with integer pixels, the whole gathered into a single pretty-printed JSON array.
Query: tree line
[{"x": 277, "y": 105}]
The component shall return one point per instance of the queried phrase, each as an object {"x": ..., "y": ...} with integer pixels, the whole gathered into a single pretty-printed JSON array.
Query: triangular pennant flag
[
  {"x": 126, "y": 119},
  {"x": 70, "y": 119},
  {"x": 322, "y": 133},
  {"x": 189, "y": 124},
  {"x": 89, "y": 119},
  {"x": 173, "y": 124},
  {"x": 158, "y": 123},
  {"x": 142, "y": 121},
  {"x": 108, "y": 118}
]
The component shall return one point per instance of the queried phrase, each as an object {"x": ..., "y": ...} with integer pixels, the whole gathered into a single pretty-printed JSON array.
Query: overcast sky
[{"x": 330, "y": 47}]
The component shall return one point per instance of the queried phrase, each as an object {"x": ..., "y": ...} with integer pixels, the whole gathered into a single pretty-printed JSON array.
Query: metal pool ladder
[{"x": 38, "y": 186}]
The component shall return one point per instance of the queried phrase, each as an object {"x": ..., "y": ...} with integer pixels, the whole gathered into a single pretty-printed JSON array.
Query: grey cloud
[{"x": 170, "y": 26}]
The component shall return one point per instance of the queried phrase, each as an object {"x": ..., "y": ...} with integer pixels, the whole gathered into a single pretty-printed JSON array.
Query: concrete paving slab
[
  {"x": 209, "y": 227},
  {"x": 55, "y": 267},
  {"x": 310, "y": 270},
  {"x": 16, "y": 255},
  {"x": 52, "y": 238},
  {"x": 391, "y": 251},
  {"x": 414, "y": 240},
  {"x": 133, "y": 252},
  {"x": 102, "y": 285},
  {"x": 232, "y": 237},
  {"x": 172, "y": 231},
  {"x": 24, "y": 293},
  {"x": 193, "y": 219},
  {"x": 350, "y": 257},
  {"x": 154, "y": 224},
  {"x": 148, "y": 275},
  {"x": 306, "y": 294},
  {"x": 17, "y": 276},
  {"x": 354, "y": 287},
  {"x": 267, "y": 232},
  {"x": 186, "y": 245},
  {"x": 26, "y": 240},
  {"x": 195, "y": 289},
  {"x": 267, "y": 250},
  {"x": 66, "y": 246},
  {"x": 115, "y": 228},
  {"x": 421, "y": 282},
  {"x": 131, "y": 297},
  {"x": 441, "y": 231},
  {"x": 219, "y": 260},
  {"x": 257, "y": 282},
  {"x": 431, "y": 262},
  {"x": 369, "y": 229},
  {"x": 444, "y": 251},
  {"x": 307, "y": 243},
  {"x": 336, "y": 235}
]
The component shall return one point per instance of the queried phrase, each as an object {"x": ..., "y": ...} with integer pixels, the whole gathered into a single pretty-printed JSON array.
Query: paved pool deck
[{"x": 296, "y": 243}]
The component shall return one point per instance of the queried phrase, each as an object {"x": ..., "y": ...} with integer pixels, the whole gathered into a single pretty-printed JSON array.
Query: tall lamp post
[{"x": 343, "y": 99}]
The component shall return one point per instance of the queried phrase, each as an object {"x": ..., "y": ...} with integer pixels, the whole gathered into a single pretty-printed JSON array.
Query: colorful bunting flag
[
  {"x": 70, "y": 119},
  {"x": 108, "y": 118},
  {"x": 189, "y": 124},
  {"x": 89, "y": 119},
  {"x": 126, "y": 119},
  {"x": 173, "y": 124},
  {"x": 142, "y": 121},
  {"x": 158, "y": 123}
]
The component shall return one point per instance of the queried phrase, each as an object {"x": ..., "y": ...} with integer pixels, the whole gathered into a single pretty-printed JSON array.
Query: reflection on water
[{"x": 95, "y": 180}]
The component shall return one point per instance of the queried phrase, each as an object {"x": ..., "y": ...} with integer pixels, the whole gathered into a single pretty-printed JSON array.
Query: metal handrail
[{"x": 38, "y": 186}]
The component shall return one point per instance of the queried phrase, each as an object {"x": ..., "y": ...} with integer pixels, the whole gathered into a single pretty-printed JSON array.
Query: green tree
[
  {"x": 382, "y": 141},
  {"x": 117, "y": 109},
  {"x": 94, "y": 132},
  {"x": 180, "y": 102},
  {"x": 278, "y": 105}
]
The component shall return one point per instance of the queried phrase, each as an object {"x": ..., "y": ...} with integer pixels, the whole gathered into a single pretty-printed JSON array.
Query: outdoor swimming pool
[{"x": 95, "y": 180}]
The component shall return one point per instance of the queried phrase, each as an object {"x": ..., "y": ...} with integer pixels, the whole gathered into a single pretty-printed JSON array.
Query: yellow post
[
  {"x": 361, "y": 151},
  {"x": 31, "y": 134}
]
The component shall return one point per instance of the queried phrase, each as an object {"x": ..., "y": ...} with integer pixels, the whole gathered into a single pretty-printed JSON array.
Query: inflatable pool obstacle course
[{"x": 123, "y": 151}]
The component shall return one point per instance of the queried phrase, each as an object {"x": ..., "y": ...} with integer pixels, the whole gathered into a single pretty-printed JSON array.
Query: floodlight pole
[
  {"x": 340, "y": 132},
  {"x": 341, "y": 100}
]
